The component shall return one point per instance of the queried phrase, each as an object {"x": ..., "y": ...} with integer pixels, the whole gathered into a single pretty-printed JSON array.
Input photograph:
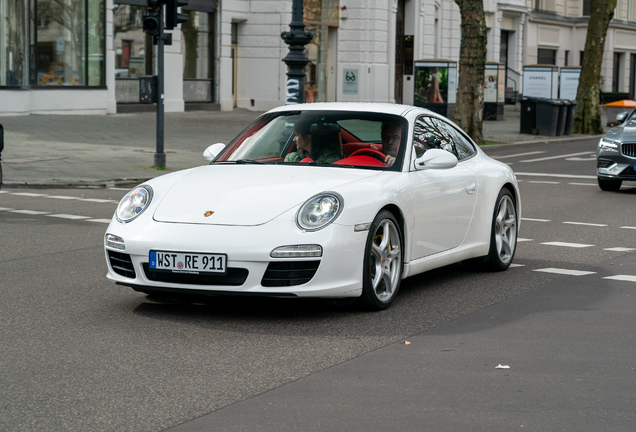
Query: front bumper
[
  {"x": 616, "y": 165},
  {"x": 337, "y": 273}
]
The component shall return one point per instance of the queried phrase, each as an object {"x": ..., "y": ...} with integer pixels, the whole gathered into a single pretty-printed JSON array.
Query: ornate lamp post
[{"x": 296, "y": 59}]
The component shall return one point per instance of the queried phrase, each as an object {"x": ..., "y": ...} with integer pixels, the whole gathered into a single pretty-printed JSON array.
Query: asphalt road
[{"x": 79, "y": 353}]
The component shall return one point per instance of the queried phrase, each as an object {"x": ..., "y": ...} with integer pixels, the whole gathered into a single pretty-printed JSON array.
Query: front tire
[
  {"x": 383, "y": 264},
  {"x": 609, "y": 185}
]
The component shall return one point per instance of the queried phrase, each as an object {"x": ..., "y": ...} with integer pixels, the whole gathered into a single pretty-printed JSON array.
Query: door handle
[{"x": 471, "y": 187}]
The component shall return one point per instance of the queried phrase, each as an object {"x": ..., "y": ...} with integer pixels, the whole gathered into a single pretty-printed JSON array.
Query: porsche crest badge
[{"x": 208, "y": 213}]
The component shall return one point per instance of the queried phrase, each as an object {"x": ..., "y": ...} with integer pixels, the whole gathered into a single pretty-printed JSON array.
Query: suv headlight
[
  {"x": 606, "y": 144},
  {"x": 319, "y": 211},
  {"x": 133, "y": 203}
]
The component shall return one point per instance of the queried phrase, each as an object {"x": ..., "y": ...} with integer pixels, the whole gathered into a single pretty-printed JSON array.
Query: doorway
[{"x": 399, "y": 52}]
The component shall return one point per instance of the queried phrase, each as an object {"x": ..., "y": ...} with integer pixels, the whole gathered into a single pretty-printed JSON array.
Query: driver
[
  {"x": 312, "y": 146},
  {"x": 390, "y": 133}
]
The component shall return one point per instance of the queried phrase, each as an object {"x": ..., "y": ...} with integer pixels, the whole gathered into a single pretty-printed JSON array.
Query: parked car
[
  {"x": 383, "y": 193},
  {"x": 616, "y": 153}
]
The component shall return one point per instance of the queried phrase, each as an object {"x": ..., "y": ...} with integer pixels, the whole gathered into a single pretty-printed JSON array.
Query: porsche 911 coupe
[{"x": 325, "y": 200}]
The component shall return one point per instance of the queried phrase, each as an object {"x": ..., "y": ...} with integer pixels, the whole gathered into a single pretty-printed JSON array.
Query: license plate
[{"x": 189, "y": 263}]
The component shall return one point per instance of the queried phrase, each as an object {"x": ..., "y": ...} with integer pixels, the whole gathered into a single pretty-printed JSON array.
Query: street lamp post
[{"x": 296, "y": 59}]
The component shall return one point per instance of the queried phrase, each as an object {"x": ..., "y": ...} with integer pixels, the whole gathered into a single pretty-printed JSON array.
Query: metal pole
[
  {"x": 160, "y": 156},
  {"x": 296, "y": 59}
]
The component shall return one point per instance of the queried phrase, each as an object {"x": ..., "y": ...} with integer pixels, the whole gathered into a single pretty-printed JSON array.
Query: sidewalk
[{"x": 119, "y": 149}]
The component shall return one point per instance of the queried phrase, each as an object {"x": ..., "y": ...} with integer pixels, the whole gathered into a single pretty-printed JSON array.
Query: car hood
[
  {"x": 625, "y": 132},
  {"x": 247, "y": 195}
]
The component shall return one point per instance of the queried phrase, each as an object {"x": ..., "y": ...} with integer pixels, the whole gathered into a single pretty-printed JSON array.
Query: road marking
[
  {"x": 524, "y": 240},
  {"x": 544, "y": 182},
  {"x": 60, "y": 197},
  {"x": 99, "y": 220},
  {"x": 572, "y": 176},
  {"x": 30, "y": 212},
  {"x": 620, "y": 249},
  {"x": 583, "y": 184},
  {"x": 582, "y": 159},
  {"x": 625, "y": 278},
  {"x": 535, "y": 220},
  {"x": 69, "y": 216},
  {"x": 517, "y": 155},
  {"x": 5, "y": 209},
  {"x": 517, "y": 265},
  {"x": 564, "y": 271},
  {"x": 557, "y": 157},
  {"x": 63, "y": 197},
  {"x": 586, "y": 224},
  {"x": 564, "y": 244},
  {"x": 97, "y": 200},
  {"x": 28, "y": 194},
  {"x": 629, "y": 227}
]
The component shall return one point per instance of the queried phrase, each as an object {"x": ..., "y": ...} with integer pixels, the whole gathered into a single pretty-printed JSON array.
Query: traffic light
[
  {"x": 173, "y": 17},
  {"x": 151, "y": 21}
]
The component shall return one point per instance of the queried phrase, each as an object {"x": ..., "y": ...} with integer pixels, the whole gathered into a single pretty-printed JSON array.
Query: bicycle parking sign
[{"x": 350, "y": 81}]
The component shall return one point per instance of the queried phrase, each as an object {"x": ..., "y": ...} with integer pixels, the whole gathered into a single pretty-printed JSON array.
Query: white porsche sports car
[{"x": 331, "y": 200}]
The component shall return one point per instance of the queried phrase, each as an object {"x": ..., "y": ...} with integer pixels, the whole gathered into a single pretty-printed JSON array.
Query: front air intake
[{"x": 289, "y": 273}]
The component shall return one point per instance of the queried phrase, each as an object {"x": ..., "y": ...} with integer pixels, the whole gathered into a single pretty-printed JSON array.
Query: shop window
[
  {"x": 52, "y": 43},
  {"x": 197, "y": 48},
  {"x": 130, "y": 42},
  {"x": 14, "y": 49}
]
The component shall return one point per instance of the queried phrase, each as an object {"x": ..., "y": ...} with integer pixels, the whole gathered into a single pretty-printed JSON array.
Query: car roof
[{"x": 385, "y": 108}]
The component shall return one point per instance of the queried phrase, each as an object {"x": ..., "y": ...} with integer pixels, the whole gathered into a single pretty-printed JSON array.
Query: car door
[{"x": 444, "y": 199}]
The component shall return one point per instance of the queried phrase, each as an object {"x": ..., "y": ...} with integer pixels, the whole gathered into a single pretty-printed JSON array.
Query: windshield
[{"x": 350, "y": 139}]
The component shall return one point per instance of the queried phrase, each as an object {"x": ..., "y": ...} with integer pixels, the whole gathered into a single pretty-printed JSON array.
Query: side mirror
[
  {"x": 620, "y": 117},
  {"x": 213, "y": 151},
  {"x": 435, "y": 159}
]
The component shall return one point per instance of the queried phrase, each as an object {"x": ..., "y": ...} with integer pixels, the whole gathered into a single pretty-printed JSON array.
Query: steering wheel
[{"x": 369, "y": 152}]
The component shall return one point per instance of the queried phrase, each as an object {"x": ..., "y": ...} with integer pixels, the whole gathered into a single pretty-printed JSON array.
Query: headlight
[
  {"x": 133, "y": 203},
  {"x": 605, "y": 144},
  {"x": 319, "y": 211}
]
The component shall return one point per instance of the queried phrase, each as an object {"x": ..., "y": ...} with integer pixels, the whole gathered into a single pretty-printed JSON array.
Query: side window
[
  {"x": 464, "y": 147},
  {"x": 432, "y": 133},
  {"x": 425, "y": 135}
]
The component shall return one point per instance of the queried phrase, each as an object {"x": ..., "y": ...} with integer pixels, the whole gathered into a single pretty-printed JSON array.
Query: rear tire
[
  {"x": 383, "y": 264},
  {"x": 503, "y": 236},
  {"x": 609, "y": 185}
]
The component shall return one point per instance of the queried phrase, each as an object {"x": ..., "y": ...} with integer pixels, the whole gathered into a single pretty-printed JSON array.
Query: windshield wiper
[{"x": 249, "y": 161}]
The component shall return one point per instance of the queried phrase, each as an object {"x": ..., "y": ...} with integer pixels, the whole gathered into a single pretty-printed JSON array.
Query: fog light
[
  {"x": 115, "y": 242},
  {"x": 297, "y": 251}
]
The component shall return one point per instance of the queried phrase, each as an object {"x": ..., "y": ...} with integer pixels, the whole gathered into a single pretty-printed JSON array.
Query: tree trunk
[
  {"x": 587, "y": 115},
  {"x": 469, "y": 109}
]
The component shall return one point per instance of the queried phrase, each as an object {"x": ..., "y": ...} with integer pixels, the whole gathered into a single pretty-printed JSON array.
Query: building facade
[{"x": 86, "y": 56}]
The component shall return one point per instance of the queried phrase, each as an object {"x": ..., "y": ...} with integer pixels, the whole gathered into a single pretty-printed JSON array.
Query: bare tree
[
  {"x": 587, "y": 116},
  {"x": 469, "y": 109}
]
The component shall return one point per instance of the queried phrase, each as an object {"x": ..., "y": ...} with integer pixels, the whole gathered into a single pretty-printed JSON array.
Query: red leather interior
[{"x": 360, "y": 161}]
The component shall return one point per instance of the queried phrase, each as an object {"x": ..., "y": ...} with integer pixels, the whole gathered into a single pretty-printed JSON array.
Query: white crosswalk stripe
[
  {"x": 567, "y": 272},
  {"x": 68, "y": 216},
  {"x": 565, "y": 244},
  {"x": 625, "y": 278},
  {"x": 586, "y": 224},
  {"x": 30, "y": 212}
]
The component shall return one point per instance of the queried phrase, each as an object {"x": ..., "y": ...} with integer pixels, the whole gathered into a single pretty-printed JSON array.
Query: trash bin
[
  {"x": 569, "y": 119},
  {"x": 528, "y": 121},
  {"x": 563, "y": 112},
  {"x": 548, "y": 116}
]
